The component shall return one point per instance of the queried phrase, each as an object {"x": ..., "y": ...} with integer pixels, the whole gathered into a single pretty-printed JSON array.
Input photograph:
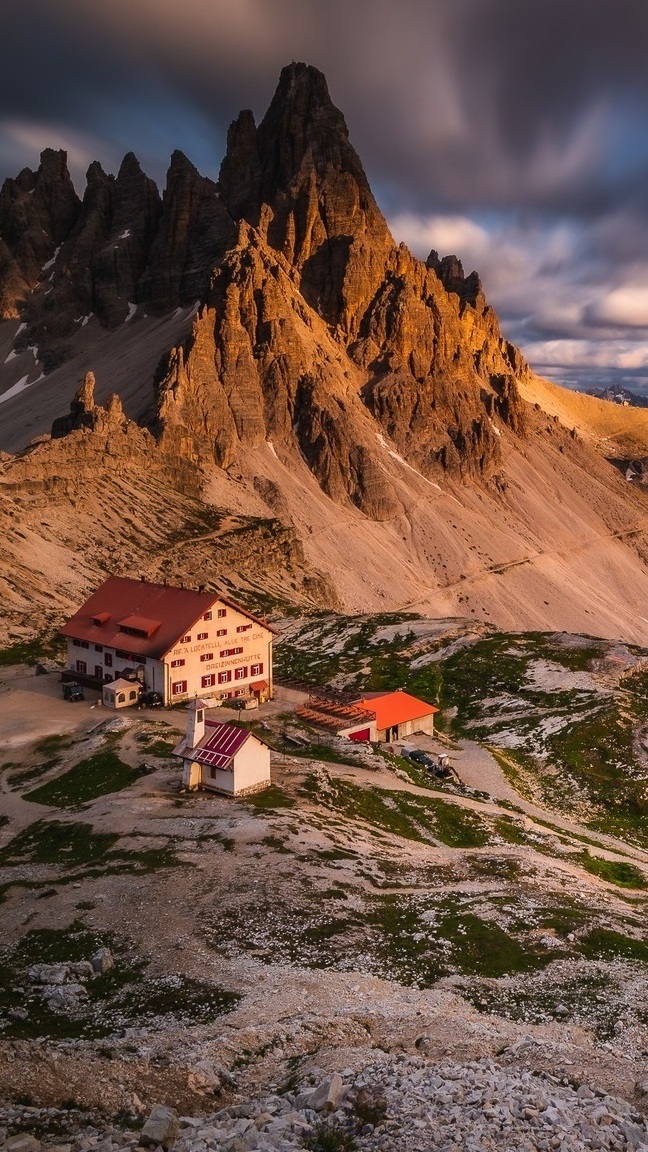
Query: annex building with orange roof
[
  {"x": 180, "y": 642},
  {"x": 375, "y": 717}
]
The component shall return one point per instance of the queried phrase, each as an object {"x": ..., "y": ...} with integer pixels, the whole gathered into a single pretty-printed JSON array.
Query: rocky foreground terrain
[{"x": 361, "y": 956}]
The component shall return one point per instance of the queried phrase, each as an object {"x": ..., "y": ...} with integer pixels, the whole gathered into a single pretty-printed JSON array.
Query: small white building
[{"x": 221, "y": 757}]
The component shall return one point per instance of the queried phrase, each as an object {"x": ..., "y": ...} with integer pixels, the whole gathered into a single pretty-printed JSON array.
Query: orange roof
[{"x": 396, "y": 708}]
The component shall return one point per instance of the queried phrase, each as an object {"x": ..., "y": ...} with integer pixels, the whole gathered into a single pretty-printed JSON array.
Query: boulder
[
  {"x": 103, "y": 961},
  {"x": 22, "y": 1143},
  {"x": 49, "y": 973},
  {"x": 328, "y": 1094},
  {"x": 161, "y": 1127}
]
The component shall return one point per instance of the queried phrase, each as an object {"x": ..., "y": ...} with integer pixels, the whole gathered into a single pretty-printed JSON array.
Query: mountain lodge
[{"x": 180, "y": 642}]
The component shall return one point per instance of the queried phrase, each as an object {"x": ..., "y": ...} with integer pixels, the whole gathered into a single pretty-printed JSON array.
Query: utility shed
[{"x": 221, "y": 756}]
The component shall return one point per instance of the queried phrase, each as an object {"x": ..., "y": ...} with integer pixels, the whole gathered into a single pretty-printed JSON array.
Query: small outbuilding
[
  {"x": 398, "y": 715},
  {"x": 221, "y": 756},
  {"x": 376, "y": 716},
  {"x": 121, "y": 693}
]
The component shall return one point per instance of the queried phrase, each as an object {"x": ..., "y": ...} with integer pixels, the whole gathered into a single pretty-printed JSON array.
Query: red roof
[
  {"x": 161, "y": 611},
  {"x": 398, "y": 707},
  {"x": 220, "y": 744}
]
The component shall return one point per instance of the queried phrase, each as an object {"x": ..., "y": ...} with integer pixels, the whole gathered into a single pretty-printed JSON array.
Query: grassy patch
[
  {"x": 124, "y": 996},
  {"x": 423, "y": 818},
  {"x": 68, "y": 845},
  {"x": 269, "y": 798},
  {"x": 46, "y": 646},
  {"x": 97, "y": 775},
  {"x": 73, "y": 846},
  {"x": 615, "y": 871},
  {"x": 606, "y": 944}
]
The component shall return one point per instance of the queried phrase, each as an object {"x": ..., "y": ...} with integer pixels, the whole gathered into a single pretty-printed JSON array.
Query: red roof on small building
[
  {"x": 157, "y": 615},
  {"x": 220, "y": 744},
  {"x": 398, "y": 707}
]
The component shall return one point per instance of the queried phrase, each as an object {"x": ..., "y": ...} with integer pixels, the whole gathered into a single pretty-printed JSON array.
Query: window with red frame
[
  {"x": 224, "y": 677},
  {"x": 177, "y": 663},
  {"x": 207, "y": 656},
  {"x": 185, "y": 639},
  {"x": 179, "y": 687},
  {"x": 240, "y": 674},
  {"x": 208, "y": 681},
  {"x": 256, "y": 669},
  {"x": 202, "y": 636}
]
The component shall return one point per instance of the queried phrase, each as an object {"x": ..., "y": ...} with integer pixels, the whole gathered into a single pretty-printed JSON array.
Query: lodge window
[
  {"x": 108, "y": 659},
  {"x": 240, "y": 692},
  {"x": 98, "y": 671},
  {"x": 98, "y": 647},
  {"x": 224, "y": 677},
  {"x": 80, "y": 643},
  {"x": 207, "y": 656},
  {"x": 208, "y": 681},
  {"x": 230, "y": 652},
  {"x": 179, "y": 687},
  {"x": 207, "y": 615},
  {"x": 240, "y": 674},
  {"x": 202, "y": 636},
  {"x": 222, "y": 632},
  {"x": 243, "y": 627},
  {"x": 256, "y": 669},
  {"x": 222, "y": 612},
  {"x": 81, "y": 666},
  {"x": 177, "y": 663},
  {"x": 185, "y": 639}
]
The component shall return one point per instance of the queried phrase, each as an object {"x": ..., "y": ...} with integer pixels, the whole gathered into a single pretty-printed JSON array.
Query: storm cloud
[{"x": 512, "y": 134}]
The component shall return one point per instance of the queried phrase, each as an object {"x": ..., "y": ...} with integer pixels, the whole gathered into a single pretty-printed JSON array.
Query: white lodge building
[{"x": 183, "y": 643}]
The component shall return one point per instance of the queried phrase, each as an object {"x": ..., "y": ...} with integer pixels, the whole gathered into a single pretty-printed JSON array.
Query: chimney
[{"x": 201, "y": 587}]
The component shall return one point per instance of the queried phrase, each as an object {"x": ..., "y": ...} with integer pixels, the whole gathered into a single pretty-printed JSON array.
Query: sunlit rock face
[{"x": 313, "y": 328}]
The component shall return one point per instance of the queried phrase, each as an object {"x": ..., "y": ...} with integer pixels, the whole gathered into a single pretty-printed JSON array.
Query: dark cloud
[{"x": 510, "y": 131}]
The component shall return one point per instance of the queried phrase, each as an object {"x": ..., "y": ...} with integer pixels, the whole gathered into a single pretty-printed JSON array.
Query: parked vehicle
[
  {"x": 73, "y": 692},
  {"x": 150, "y": 699},
  {"x": 419, "y": 757}
]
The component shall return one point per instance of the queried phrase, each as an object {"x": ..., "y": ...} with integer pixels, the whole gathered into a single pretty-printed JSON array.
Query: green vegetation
[
  {"x": 46, "y": 646},
  {"x": 413, "y": 939},
  {"x": 330, "y": 1138},
  {"x": 68, "y": 845},
  {"x": 615, "y": 871},
  {"x": 589, "y": 999},
  {"x": 123, "y": 996},
  {"x": 104, "y": 772},
  {"x": 73, "y": 846},
  {"x": 268, "y": 799},
  {"x": 414, "y": 817},
  {"x": 605, "y": 944}
]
